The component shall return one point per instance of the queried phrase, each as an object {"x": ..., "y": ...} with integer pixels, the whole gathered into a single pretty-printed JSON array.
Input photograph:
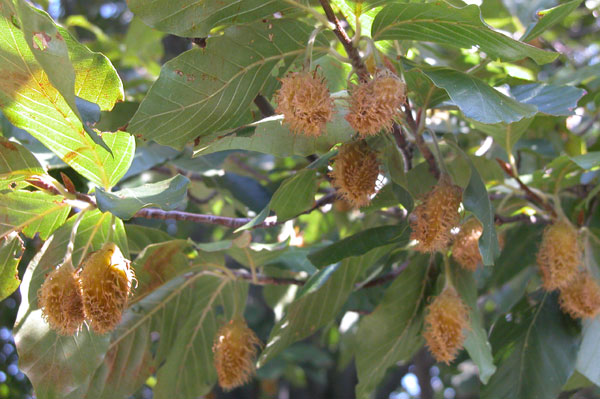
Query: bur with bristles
[
  {"x": 373, "y": 105},
  {"x": 305, "y": 103},
  {"x": 60, "y": 300},
  {"x": 235, "y": 348},
  {"x": 559, "y": 255},
  {"x": 432, "y": 220},
  {"x": 581, "y": 297},
  {"x": 465, "y": 250},
  {"x": 106, "y": 284},
  {"x": 445, "y": 324},
  {"x": 355, "y": 173}
]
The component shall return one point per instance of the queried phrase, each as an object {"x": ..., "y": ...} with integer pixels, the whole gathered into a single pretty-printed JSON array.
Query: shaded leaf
[
  {"x": 505, "y": 134},
  {"x": 587, "y": 161},
  {"x": 16, "y": 164},
  {"x": 361, "y": 243},
  {"x": 195, "y": 18},
  {"x": 476, "y": 342},
  {"x": 589, "y": 352},
  {"x": 167, "y": 195},
  {"x": 549, "y": 99},
  {"x": 476, "y": 99},
  {"x": 203, "y": 91},
  {"x": 11, "y": 251},
  {"x": 391, "y": 333},
  {"x": 549, "y": 18},
  {"x": 139, "y": 237},
  {"x": 270, "y": 136},
  {"x": 535, "y": 349},
  {"x": 445, "y": 24},
  {"x": 307, "y": 314},
  {"x": 295, "y": 195}
]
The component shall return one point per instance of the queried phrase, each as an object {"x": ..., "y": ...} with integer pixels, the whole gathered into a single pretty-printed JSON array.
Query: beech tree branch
[
  {"x": 353, "y": 54},
  {"x": 529, "y": 194}
]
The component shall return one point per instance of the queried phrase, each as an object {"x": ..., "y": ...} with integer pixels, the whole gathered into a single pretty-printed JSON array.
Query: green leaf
[
  {"x": 392, "y": 332},
  {"x": 139, "y": 237},
  {"x": 51, "y": 47},
  {"x": 505, "y": 134},
  {"x": 172, "y": 311},
  {"x": 361, "y": 243},
  {"x": 16, "y": 164},
  {"x": 189, "y": 368},
  {"x": 549, "y": 99},
  {"x": 549, "y": 18},
  {"x": 258, "y": 219},
  {"x": 58, "y": 365},
  {"x": 476, "y": 99},
  {"x": 477, "y": 201},
  {"x": 31, "y": 212},
  {"x": 207, "y": 90},
  {"x": 270, "y": 136},
  {"x": 442, "y": 23},
  {"x": 307, "y": 314},
  {"x": 167, "y": 195},
  {"x": 476, "y": 342},
  {"x": 535, "y": 349},
  {"x": 295, "y": 195},
  {"x": 587, "y": 358},
  {"x": 30, "y": 101},
  {"x": 587, "y": 161},
  {"x": 11, "y": 251},
  {"x": 287, "y": 258},
  {"x": 196, "y": 18}
]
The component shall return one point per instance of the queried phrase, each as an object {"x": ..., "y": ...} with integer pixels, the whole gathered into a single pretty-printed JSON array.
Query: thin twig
[
  {"x": 406, "y": 148},
  {"x": 264, "y": 106},
  {"x": 353, "y": 54},
  {"x": 521, "y": 218},
  {"x": 531, "y": 196}
]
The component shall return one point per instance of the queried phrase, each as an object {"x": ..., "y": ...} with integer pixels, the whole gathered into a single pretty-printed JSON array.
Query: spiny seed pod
[
  {"x": 355, "y": 173},
  {"x": 106, "y": 283},
  {"x": 432, "y": 220},
  {"x": 559, "y": 255},
  {"x": 60, "y": 300},
  {"x": 465, "y": 249},
  {"x": 305, "y": 103},
  {"x": 581, "y": 297},
  {"x": 373, "y": 105},
  {"x": 446, "y": 320},
  {"x": 235, "y": 349}
]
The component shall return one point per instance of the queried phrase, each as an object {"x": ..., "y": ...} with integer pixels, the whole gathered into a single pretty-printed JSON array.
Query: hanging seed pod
[
  {"x": 305, "y": 103},
  {"x": 447, "y": 318},
  {"x": 355, "y": 173},
  {"x": 60, "y": 300},
  {"x": 106, "y": 284},
  {"x": 374, "y": 104},
  {"x": 465, "y": 250},
  {"x": 432, "y": 220},
  {"x": 581, "y": 297},
  {"x": 235, "y": 349},
  {"x": 559, "y": 255}
]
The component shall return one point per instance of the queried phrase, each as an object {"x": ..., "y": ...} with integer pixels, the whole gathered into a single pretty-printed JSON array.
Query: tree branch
[
  {"x": 353, "y": 54},
  {"x": 406, "y": 149},
  {"x": 531, "y": 196}
]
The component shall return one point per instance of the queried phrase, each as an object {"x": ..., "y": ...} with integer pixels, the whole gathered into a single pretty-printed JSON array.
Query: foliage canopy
[{"x": 367, "y": 184}]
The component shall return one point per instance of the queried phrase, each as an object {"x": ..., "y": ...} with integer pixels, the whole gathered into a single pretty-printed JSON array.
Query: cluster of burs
[
  {"x": 306, "y": 105},
  {"x": 99, "y": 290}
]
